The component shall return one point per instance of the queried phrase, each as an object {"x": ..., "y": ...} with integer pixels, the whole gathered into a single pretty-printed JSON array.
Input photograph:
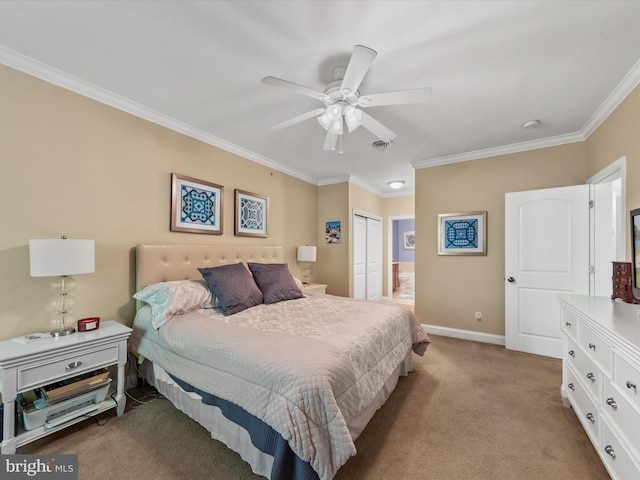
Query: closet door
[
  {"x": 374, "y": 259},
  {"x": 367, "y": 257},
  {"x": 359, "y": 257}
]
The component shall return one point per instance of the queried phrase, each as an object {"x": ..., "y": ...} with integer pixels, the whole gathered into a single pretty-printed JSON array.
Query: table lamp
[
  {"x": 62, "y": 258},
  {"x": 306, "y": 255}
]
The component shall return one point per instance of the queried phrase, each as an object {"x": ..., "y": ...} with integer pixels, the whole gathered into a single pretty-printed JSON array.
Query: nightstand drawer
[{"x": 36, "y": 375}]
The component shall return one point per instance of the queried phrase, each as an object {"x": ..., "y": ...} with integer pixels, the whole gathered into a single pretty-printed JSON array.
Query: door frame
[
  {"x": 389, "y": 262},
  {"x": 613, "y": 171}
]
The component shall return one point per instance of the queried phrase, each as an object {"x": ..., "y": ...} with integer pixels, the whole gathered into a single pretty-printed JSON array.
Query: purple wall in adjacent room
[{"x": 399, "y": 227}]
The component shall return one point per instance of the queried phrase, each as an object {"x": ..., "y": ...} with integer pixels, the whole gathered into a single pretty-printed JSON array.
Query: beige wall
[
  {"x": 618, "y": 136},
  {"x": 76, "y": 167},
  {"x": 450, "y": 289},
  {"x": 332, "y": 262}
]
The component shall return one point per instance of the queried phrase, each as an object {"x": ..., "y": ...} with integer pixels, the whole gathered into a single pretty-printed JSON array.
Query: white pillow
[{"x": 167, "y": 299}]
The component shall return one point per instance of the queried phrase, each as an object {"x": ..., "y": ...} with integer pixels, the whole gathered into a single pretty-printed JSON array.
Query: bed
[{"x": 288, "y": 384}]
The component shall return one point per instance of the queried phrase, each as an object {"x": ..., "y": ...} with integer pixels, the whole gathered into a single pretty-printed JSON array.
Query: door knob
[{"x": 511, "y": 279}]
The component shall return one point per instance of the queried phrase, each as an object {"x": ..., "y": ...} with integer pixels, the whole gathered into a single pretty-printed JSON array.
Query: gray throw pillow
[
  {"x": 233, "y": 286},
  {"x": 275, "y": 282}
]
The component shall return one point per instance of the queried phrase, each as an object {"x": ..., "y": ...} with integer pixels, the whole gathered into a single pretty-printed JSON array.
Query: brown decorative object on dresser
[{"x": 621, "y": 279}]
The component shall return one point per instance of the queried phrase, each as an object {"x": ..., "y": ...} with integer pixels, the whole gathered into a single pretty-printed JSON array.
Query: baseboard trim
[{"x": 464, "y": 334}]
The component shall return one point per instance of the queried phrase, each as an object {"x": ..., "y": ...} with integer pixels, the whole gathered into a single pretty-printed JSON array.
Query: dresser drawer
[
  {"x": 623, "y": 415},
  {"x": 586, "y": 370},
  {"x": 618, "y": 459},
  {"x": 583, "y": 405},
  {"x": 597, "y": 349},
  {"x": 37, "y": 374},
  {"x": 569, "y": 325},
  {"x": 621, "y": 268},
  {"x": 627, "y": 379}
]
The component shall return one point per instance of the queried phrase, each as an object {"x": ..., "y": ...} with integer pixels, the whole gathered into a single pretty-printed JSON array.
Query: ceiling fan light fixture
[
  {"x": 396, "y": 184},
  {"x": 352, "y": 117},
  {"x": 336, "y": 127}
]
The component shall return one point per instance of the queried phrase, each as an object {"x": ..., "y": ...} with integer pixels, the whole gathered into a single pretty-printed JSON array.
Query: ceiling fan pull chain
[{"x": 340, "y": 140}]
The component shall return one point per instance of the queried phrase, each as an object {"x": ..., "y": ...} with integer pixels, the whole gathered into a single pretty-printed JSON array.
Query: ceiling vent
[{"x": 381, "y": 144}]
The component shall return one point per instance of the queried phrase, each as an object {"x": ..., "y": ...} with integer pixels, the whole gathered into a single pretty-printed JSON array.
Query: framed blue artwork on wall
[
  {"x": 462, "y": 233},
  {"x": 252, "y": 213},
  {"x": 196, "y": 205}
]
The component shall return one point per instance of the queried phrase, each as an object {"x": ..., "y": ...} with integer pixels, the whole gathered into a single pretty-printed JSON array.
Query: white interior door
[
  {"x": 546, "y": 254},
  {"x": 367, "y": 257},
  {"x": 359, "y": 257},
  {"x": 374, "y": 259}
]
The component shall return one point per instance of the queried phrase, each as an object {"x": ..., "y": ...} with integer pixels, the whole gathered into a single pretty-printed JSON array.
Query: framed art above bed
[
  {"x": 252, "y": 214},
  {"x": 196, "y": 205}
]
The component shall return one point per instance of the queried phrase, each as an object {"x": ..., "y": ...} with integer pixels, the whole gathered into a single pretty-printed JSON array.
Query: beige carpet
[{"x": 467, "y": 411}]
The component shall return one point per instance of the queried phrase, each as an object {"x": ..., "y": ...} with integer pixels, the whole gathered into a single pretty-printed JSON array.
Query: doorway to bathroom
[{"x": 401, "y": 268}]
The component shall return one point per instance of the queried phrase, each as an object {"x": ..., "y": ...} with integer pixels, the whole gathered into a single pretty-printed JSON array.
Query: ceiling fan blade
[
  {"x": 298, "y": 119},
  {"x": 375, "y": 127},
  {"x": 330, "y": 141},
  {"x": 361, "y": 59},
  {"x": 401, "y": 97},
  {"x": 309, "y": 92}
]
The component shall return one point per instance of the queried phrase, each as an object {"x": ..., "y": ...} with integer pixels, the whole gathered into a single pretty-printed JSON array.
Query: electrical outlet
[{"x": 479, "y": 316}]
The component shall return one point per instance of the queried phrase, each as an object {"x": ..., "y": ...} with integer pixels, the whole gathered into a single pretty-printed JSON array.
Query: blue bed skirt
[{"x": 286, "y": 464}]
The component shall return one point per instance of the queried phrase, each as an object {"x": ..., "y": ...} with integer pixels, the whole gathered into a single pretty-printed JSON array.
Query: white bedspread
[{"x": 302, "y": 366}]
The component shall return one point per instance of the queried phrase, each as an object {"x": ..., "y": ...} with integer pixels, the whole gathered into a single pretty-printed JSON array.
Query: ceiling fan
[{"x": 343, "y": 103}]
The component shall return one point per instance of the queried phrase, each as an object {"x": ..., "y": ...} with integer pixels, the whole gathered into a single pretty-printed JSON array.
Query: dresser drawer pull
[
  {"x": 592, "y": 346},
  {"x": 631, "y": 385},
  {"x": 612, "y": 403},
  {"x": 572, "y": 353},
  {"x": 571, "y": 386},
  {"x": 592, "y": 377},
  {"x": 568, "y": 324},
  {"x": 591, "y": 418},
  {"x": 73, "y": 366},
  {"x": 610, "y": 451}
]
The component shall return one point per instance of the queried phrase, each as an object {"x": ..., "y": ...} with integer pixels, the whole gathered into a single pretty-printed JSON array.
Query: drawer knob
[
  {"x": 610, "y": 451},
  {"x": 592, "y": 346},
  {"x": 571, "y": 386},
  {"x": 572, "y": 353},
  {"x": 612, "y": 403},
  {"x": 631, "y": 385},
  {"x": 591, "y": 418},
  {"x": 73, "y": 366},
  {"x": 591, "y": 377}
]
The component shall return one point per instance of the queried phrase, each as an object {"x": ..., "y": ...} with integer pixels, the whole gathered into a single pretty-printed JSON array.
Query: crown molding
[
  {"x": 496, "y": 151},
  {"x": 615, "y": 98},
  {"x": 54, "y": 76}
]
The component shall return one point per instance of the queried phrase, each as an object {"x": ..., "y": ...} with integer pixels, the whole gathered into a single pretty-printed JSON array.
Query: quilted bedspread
[{"x": 303, "y": 366}]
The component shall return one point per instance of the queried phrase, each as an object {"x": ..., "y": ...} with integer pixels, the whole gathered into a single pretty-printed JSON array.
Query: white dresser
[{"x": 601, "y": 377}]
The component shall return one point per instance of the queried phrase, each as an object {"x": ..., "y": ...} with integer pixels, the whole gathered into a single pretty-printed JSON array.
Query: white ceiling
[{"x": 196, "y": 67}]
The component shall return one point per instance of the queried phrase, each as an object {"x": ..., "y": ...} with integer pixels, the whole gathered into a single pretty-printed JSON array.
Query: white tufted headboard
[{"x": 162, "y": 263}]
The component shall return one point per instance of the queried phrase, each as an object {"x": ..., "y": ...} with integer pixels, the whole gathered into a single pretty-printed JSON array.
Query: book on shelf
[
  {"x": 82, "y": 389},
  {"x": 62, "y": 387}
]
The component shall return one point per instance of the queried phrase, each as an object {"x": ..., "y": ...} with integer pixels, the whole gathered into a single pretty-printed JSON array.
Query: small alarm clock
[{"x": 87, "y": 324}]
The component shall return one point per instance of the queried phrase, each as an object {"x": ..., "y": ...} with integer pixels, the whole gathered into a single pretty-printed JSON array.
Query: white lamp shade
[
  {"x": 55, "y": 257},
  {"x": 306, "y": 253}
]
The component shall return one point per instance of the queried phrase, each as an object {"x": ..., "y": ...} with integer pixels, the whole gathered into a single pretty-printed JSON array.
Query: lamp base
[{"x": 62, "y": 332}]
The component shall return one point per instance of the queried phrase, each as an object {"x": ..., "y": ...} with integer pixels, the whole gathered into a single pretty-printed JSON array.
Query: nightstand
[
  {"x": 26, "y": 366},
  {"x": 316, "y": 287}
]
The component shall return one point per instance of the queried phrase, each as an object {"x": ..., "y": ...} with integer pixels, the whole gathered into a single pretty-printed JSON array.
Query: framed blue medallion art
[
  {"x": 252, "y": 213},
  {"x": 196, "y": 205},
  {"x": 462, "y": 233}
]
